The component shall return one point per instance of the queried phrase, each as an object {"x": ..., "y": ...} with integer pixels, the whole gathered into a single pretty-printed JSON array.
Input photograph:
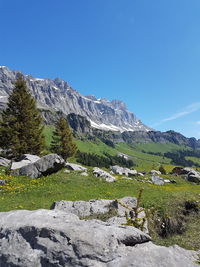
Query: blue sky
[{"x": 145, "y": 53}]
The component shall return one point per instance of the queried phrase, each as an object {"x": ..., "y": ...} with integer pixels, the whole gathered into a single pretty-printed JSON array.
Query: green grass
[
  {"x": 25, "y": 193},
  {"x": 97, "y": 147},
  {"x": 157, "y": 147},
  {"x": 48, "y": 132}
]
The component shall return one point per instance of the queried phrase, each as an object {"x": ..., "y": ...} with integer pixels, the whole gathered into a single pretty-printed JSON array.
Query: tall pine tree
[
  {"x": 62, "y": 142},
  {"x": 20, "y": 127}
]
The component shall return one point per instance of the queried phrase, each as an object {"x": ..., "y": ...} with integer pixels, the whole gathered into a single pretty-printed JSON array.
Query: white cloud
[{"x": 187, "y": 110}]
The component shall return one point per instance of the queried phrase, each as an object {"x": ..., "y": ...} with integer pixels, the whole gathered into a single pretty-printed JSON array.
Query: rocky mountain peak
[{"x": 58, "y": 95}]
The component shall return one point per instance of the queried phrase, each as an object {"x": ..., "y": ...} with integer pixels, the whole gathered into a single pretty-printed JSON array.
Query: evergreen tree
[
  {"x": 21, "y": 130},
  {"x": 62, "y": 142}
]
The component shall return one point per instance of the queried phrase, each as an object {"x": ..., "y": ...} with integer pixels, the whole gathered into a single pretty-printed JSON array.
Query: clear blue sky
[{"x": 145, "y": 53}]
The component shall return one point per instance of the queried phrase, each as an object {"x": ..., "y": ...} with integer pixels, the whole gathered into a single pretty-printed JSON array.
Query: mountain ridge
[{"x": 58, "y": 95}]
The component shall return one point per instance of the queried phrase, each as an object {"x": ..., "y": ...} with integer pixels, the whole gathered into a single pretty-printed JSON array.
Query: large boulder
[
  {"x": 157, "y": 180},
  {"x": 123, "y": 171},
  {"x": 45, "y": 238},
  {"x": 44, "y": 166},
  {"x": 103, "y": 174},
  {"x": 155, "y": 172},
  {"x": 191, "y": 174},
  {"x": 4, "y": 162},
  {"x": 75, "y": 167},
  {"x": 24, "y": 160}
]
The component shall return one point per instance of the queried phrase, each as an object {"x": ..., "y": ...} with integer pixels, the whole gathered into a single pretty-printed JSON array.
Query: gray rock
[
  {"x": 44, "y": 166},
  {"x": 75, "y": 167},
  {"x": 150, "y": 255},
  {"x": 140, "y": 174},
  {"x": 55, "y": 238},
  {"x": 66, "y": 171},
  {"x": 154, "y": 172},
  {"x": 24, "y": 161},
  {"x": 86, "y": 208},
  {"x": 194, "y": 177},
  {"x": 167, "y": 181},
  {"x": 58, "y": 95},
  {"x": 122, "y": 171},
  {"x": 84, "y": 174},
  {"x": 2, "y": 182},
  {"x": 103, "y": 174},
  {"x": 4, "y": 162},
  {"x": 157, "y": 180}
]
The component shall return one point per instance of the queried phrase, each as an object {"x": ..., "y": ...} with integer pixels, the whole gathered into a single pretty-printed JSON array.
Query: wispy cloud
[
  {"x": 198, "y": 122},
  {"x": 187, "y": 110}
]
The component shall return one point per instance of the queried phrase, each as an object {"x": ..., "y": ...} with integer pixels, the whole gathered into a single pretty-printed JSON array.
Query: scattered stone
[
  {"x": 75, "y": 167},
  {"x": 122, "y": 171},
  {"x": 126, "y": 178},
  {"x": 4, "y": 162},
  {"x": 194, "y": 177},
  {"x": 24, "y": 160},
  {"x": 154, "y": 172},
  {"x": 157, "y": 180},
  {"x": 167, "y": 181},
  {"x": 44, "y": 166},
  {"x": 140, "y": 174},
  {"x": 66, "y": 171},
  {"x": 84, "y": 174},
  {"x": 103, "y": 174},
  {"x": 3, "y": 182}
]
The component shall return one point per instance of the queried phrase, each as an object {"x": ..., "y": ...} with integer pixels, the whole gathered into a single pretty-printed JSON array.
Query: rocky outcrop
[
  {"x": 57, "y": 95},
  {"x": 4, "y": 162},
  {"x": 103, "y": 174},
  {"x": 157, "y": 180},
  {"x": 45, "y": 238},
  {"x": 154, "y": 172},
  {"x": 123, "y": 171},
  {"x": 113, "y": 211},
  {"x": 24, "y": 160},
  {"x": 191, "y": 174},
  {"x": 75, "y": 167},
  {"x": 44, "y": 166}
]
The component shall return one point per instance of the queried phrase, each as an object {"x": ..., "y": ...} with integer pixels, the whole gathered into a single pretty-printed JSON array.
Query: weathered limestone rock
[
  {"x": 4, "y": 162},
  {"x": 154, "y": 172},
  {"x": 43, "y": 238},
  {"x": 24, "y": 160},
  {"x": 157, "y": 180},
  {"x": 55, "y": 238},
  {"x": 84, "y": 174},
  {"x": 44, "y": 166},
  {"x": 75, "y": 167},
  {"x": 103, "y": 174},
  {"x": 123, "y": 171}
]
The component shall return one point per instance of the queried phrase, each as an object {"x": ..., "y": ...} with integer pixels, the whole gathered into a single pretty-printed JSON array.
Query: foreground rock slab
[
  {"x": 44, "y": 166},
  {"x": 55, "y": 238}
]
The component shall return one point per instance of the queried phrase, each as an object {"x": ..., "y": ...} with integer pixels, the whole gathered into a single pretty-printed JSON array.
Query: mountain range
[{"x": 58, "y": 95}]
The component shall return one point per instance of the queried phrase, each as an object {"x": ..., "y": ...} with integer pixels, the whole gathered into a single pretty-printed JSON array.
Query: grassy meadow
[{"x": 166, "y": 201}]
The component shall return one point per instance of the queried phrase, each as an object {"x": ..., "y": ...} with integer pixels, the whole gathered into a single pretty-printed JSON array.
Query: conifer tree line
[{"x": 21, "y": 129}]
